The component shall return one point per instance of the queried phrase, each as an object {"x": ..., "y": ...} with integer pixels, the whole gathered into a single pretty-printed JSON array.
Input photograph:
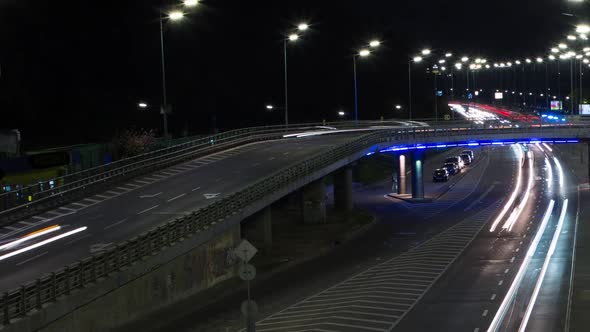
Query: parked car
[
  {"x": 456, "y": 160},
  {"x": 470, "y": 153},
  {"x": 466, "y": 159},
  {"x": 452, "y": 168},
  {"x": 440, "y": 174}
]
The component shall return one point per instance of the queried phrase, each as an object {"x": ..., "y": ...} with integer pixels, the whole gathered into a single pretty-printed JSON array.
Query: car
[
  {"x": 440, "y": 174},
  {"x": 466, "y": 159},
  {"x": 470, "y": 153},
  {"x": 456, "y": 160},
  {"x": 452, "y": 168}
]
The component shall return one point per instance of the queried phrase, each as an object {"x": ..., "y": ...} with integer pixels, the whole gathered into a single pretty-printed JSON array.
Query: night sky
[{"x": 74, "y": 71}]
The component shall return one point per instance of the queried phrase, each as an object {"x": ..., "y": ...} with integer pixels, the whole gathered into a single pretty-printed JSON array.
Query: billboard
[
  {"x": 499, "y": 95},
  {"x": 556, "y": 105},
  {"x": 585, "y": 109}
]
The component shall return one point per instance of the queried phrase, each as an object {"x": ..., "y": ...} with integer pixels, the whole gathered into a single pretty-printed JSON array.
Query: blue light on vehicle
[
  {"x": 563, "y": 119},
  {"x": 473, "y": 144},
  {"x": 370, "y": 153},
  {"x": 544, "y": 115}
]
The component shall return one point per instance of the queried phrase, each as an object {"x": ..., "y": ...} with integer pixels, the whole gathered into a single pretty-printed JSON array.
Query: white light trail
[
  {"x": 42, "y": 243},
  {"x": 539, "y": 283},
  {"x": 549, "y": 173},
  {"x": 548, "y": 147},
  {"x": 539, "y": 146},
  {"x": 523, "y": 202},
  {"x": 560, "y": 170},
  {"x": 512, "y": 198},
  {"x": 505, "y": 305},
  {"x": 31, "y": 236}
]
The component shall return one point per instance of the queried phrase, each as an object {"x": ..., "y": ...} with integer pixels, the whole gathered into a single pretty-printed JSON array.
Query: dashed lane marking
[
  {"x": 175, "y": 198},
  {"x": 147, "y": 210},
  {"x": 32, "y": 258}
]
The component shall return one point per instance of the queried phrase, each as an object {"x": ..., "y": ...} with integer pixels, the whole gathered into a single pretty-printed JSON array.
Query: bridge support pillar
[
  {"x": 399, "y": 185},
  {"x": 313, "y": 202},
  {"x": 343, "y": 189},
  {"x": 417, "y": 175},
  {"x": 259, "y": 229}
]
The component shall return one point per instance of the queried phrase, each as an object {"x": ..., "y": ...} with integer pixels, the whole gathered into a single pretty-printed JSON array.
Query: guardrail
[
  {"x": 44, "y": 195},
  {"x": 50, "y": 287}
]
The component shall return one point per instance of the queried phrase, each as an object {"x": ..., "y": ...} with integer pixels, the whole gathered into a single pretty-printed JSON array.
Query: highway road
[
  {"x": 483, "y": 288},
  {"x": 294, "y": 297},
  {"x": 140, "y": 204}
]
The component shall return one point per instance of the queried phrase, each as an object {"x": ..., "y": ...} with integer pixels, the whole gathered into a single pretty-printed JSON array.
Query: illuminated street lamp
[
  {"x": 341, "y": 113},
  {"x": 571, "y": 37},
  {"x": 363, "y": 53},
  {"x": 173, "y": 16},
  {"x": 426, "y": 51},
  {"x": 448, "y": 55},
  {"x": 562, "y": 46},
  {"x": 292, "y": 37},
  {"x": 583, "y": 29},
  {"x": 142, "y": 105},
  {"x": 464, "y": 59},
  {"x": 416, "y": 59},
  {"x": 191, "y": 3}
]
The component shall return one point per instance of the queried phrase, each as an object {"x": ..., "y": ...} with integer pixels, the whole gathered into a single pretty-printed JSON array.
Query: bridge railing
[
  {"x": 25, "y": 201},
  {"x": 50, "y": 287}
]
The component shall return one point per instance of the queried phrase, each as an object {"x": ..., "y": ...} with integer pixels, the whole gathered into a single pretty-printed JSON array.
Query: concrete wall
[{"x": 185, "y": 275}]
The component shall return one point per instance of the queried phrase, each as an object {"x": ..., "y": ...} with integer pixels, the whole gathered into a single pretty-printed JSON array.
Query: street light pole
[
  {"x": 410, "y": 88},
  {"x": 356, "y": 106},
  {"x": 164, "y": 110},
  {"x": 286, "y": 85}
]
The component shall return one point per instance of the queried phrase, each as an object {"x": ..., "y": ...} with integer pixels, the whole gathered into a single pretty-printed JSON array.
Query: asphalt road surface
[
  {"x": 372, "y": 282},
  {"x": 145, "y": 202}
]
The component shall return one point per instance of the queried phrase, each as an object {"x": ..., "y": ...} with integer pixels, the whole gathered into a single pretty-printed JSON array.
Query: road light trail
[
  {"x": 42, "y": 243},
  {"x": 499, "y": 317},
  {"x": 516, "y": 213},
  {"x": 512, "y": 198},
  {"x": 539, "y": 283}
]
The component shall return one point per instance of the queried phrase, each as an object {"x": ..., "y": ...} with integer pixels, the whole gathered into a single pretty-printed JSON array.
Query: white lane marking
[
  {"x": 485, "y": 313},
  {"x": 175, "y": 198},
  {"x": 271, "y": 158},
  {"x": 150, "y": 179},
  {"x": 26, "y": 223},
  {"x": 211, "y": 196},
  {"x": 12, "y": 228},
  {"x": 99, "y": 247},
  {"x": 123, "y": 188},
  {"x": 506, "y": 271},
  {"x": 68, "y": 209},
  {"x": 493, "y": 297},
  {"x": 92, "y": 200},
  {"x": 32, "y": 258},
  {"x": 115, "y": 224},
  {"x": 476, "y": 329},
  {"x": 39, "y": 218},
  {"x": 195, "y": 189},
  {"x": 78, "y": 239},
  {"x": 512, "y": 259},
  {"x": 132, "y": 185},
  {"x": 116, "y": 193},
  {"x": 159, "y": 176},
  {"x": 500, "y": 282},
  {"x": 286, "y": 153},
  {"x": 80, "y": 204},
  {"x": 103, "y": 196},
  {"x": 169, "y": 173},
  {"x": 147, "y": 210},
  {"x": 142, "y": 182},
  {"x": 55, "y": 213},
  {"x": 517, "y": 249},
  {"x": 150, "y": 196}
]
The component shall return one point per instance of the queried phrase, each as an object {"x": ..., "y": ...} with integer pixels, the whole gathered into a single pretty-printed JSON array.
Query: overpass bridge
[{"x": 178, "y": 204}]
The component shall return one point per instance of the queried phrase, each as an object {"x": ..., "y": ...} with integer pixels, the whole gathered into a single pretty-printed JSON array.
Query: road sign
[
  {"x": 247, "y": 272},
  {"x": 245, "y": 251},
  {"x": 447, "y": 117},
  {"x": 249, "y": 308}
]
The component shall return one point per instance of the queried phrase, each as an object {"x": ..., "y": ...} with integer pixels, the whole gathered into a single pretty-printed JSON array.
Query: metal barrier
[
  {"x": 35, "y": 198},
  {"x": 48, "y": 288}
]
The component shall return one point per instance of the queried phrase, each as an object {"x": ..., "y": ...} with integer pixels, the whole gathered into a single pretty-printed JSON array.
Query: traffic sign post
[{"x": 245, "y": 251}]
